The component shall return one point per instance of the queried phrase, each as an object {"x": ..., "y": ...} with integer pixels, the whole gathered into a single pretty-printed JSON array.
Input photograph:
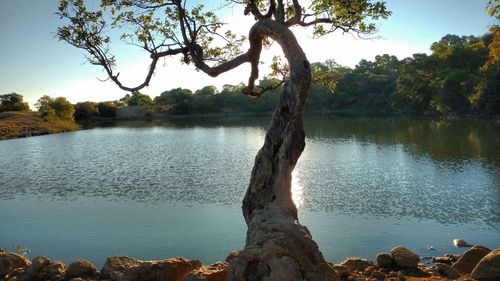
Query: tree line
[{"x": 461, "y": 77}]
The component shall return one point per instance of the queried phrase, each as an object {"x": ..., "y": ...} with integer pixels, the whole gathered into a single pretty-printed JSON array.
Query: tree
[
  {"x": 179, "y": 100},
  {"x": 13, "y": 102},
  {"x": 85, "y": 110},
  {"x": 494, "y": 8},
  {"x": 278, "y": 247},
  {"x": 59, "y": 107},
  {"x": 416, "y": 83},
  {"x": 107, "y": 109},
  {"x": 138, "y": 99},
  {"x": 43, "y": 104}
]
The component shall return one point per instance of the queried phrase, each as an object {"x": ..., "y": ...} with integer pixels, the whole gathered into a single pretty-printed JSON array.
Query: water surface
[{"x": 161, "y": 189}]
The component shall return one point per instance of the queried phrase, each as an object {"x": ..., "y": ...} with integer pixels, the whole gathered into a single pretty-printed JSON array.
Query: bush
[
  {"x": 86, "y": 110},
  {"x": 13, "y": 102}
]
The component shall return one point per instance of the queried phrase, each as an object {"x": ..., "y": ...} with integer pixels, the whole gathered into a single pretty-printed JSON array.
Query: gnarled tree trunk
[{"x": 278, "y": 247}]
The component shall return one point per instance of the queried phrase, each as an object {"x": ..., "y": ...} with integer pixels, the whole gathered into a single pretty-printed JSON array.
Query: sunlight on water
[{"x": 297, "y": 190}]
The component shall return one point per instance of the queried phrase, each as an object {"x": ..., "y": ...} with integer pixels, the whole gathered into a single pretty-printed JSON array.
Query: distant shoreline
[{"x": 28, "y": 124}]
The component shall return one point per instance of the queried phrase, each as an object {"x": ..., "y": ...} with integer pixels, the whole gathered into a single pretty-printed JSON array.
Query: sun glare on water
[{"x": 297, "y": 191}]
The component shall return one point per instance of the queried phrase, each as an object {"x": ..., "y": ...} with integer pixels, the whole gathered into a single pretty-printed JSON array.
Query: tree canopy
[
  {"x": 178, "y": 27},
  {"x": 13, "y": 102},
  {"x": 58, "y": 107}
]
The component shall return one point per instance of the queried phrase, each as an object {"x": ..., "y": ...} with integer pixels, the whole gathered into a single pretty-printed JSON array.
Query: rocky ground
[{"x": 400, "y": 264}]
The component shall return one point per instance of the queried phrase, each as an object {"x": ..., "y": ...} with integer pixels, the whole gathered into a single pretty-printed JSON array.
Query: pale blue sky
[{"x": 34, "y": 63}]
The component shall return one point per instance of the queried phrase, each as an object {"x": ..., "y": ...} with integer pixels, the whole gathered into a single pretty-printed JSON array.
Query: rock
[
  {"x": 378, "y": 275},
  {"x": 37, "y": 269},
  {"x": 446, "y": 260},
  {"x": 469, "y": 259},
  {"x": 369, "y": 270},
  {"x": 81, "y": 268},
  {"x": 2, "y": 250},
  {"x": 115, "y": 265},
  {"x": 356, "y": 264},
  {"x": 42, "y": 268},
  {"x": 173, "y": 269},
  {"x": 404, "y": 258},
  {"x": 461, "y": 243},
  {"x": 5, "y": 267},
  {"x": 10, "y": 262},
  {"x": 447, "y": 271},
  {"x": 341, "y": 270},
  {"x": 214, "y": 272},
  {"x": 56, "y": 270},
  {"x": 384, "y": 260},
  {"x": 488, "y": 267}
]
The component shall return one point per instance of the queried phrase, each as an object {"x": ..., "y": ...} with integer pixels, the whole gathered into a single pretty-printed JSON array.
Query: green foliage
[
  {"x": 357, "y": 15},
  {"x": 107, "y": 109},
  {"x": 13, "y": 102},
  {"x": 494, "y": 8},
  {"x": 59, "y": 107},
  {"x": 22, "y": 250},
  {"x": 416, "y": 84},
  {"x": 370, "y": 87},
  {"x": 178, "y": 101},
  {"x": 486, "y": 96},
  {"x": 138, "y": 99},
  {"x": 86, "y": 110}
]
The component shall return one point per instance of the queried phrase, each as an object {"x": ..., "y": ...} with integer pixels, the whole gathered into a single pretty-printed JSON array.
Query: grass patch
[{"x": 16, "y": 124}]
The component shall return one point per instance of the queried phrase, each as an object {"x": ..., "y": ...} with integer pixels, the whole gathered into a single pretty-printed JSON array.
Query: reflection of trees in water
[
  {"x": 441, "y": 139},
  {"x": 449, "y": 170}
]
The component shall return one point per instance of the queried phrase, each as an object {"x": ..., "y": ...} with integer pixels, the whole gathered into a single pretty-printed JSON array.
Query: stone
[
  {"x": 378, "y": 275},
  {"x": 402, "y": 275},
  {"x": 468, "y": 261},
  {"x": 461, "y": 243},
  {"x": 384, "y": 260},
  {"x": 356, "y": 264},
  {"x": 81, "y": 268},
  {"x": 393, "y": 274},
  {"x": 10, "y": 262},
  {"x": 341, "y": 270},
  {"x": 447, "y": 271},
  {"x": 446, "y": 260},
  {"x": 5, "y": 267},
  {"x": 369, "y": 270},
  {"x": 488, "y": 267},
  {"x": 115, "y": 265},
  {"x": 42, "y": 268},
  {"x": 173, "y": 269},
  {"x": 404, "y": 258},
  {"x": 37, "y": 269},
  {"x": 56, "y": 270},
  {"x": 214, "y": 272},
  {"x": 17, "y": 260}
]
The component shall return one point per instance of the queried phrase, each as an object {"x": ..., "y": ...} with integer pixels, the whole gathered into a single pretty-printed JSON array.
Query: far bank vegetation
[{"x": 461, "y": 77}]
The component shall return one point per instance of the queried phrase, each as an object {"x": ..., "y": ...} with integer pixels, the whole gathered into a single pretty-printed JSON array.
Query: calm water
[{"x": 156, "y": 190}]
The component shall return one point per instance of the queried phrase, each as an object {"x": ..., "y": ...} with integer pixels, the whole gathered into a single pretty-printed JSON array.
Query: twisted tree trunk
[{"x": 278, "y": 247}]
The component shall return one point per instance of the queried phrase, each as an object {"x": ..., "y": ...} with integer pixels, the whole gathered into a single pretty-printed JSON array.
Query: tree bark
[{"x": 278, "y": 247}]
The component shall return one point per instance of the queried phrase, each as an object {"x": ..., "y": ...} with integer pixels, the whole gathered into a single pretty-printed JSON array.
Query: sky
[{"x": 34, "y": 63}]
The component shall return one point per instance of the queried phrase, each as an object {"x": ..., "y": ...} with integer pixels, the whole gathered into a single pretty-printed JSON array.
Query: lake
[{"x": 174, "y": 188}]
